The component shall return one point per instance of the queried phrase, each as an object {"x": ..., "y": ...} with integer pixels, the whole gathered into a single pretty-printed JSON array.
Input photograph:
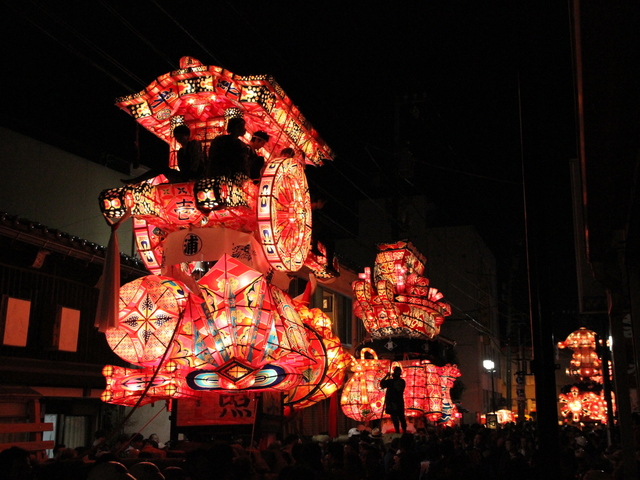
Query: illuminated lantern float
[
  {"x": 584, "y": 401},
  {"x": 190, "y": 330},
  {"x": 585, "y": 362},
  {"x": 398, "y": 303}
]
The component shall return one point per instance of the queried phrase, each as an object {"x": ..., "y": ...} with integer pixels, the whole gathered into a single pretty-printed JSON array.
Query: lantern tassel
[{"x": 109, "y": 285}]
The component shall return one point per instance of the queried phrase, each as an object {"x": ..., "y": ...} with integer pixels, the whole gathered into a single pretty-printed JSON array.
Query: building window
[
  {"x": 65, "y": 333},
  {"x": 344, "y": 318},
  {"x": 14, "y": 324}
]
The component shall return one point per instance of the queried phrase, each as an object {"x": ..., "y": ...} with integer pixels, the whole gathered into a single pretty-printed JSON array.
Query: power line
[
  {"x": 137, "y": 33},
  {"x": 186, "y": 32}
]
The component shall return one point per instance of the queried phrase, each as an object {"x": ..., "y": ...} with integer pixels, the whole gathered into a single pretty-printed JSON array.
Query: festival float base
[{"x": 213, "y": 316}]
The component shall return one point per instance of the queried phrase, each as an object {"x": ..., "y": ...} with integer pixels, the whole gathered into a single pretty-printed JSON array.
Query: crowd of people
[{"x": 470, "y": 451}]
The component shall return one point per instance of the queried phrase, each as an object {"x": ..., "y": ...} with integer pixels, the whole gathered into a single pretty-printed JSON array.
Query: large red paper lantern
[
  {"x": 150, "y": 309},
  {"x": 234, "y": 328},
  {"x": 320, "y": 381},
  {"x": 362, "y": 398}
]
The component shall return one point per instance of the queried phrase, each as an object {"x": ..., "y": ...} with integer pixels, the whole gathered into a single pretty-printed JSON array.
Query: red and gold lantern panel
[
  {"x": 149, "y": 242},
  {"x": 150, "y": 309},
  {"x": 583, "y": 406},
  {"x": 292, "y": 333}
]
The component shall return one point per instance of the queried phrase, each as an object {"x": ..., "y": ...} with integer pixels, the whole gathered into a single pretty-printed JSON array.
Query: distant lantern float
[
  {"x": 584, "y": 405},
  {"x": 362, "y": 398},
  {"x": 398, "y": 300},
  {"x": 585, "y": 362},
  {"x": 576, "y": 404}
]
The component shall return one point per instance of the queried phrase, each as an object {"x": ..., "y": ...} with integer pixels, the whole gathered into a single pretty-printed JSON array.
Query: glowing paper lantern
[
  {"x": 284, "y": 214},
  {"x": 505, "y": 416},
  {"x": 249, "y": 323},
  {"x": 269, "y": 377},
  {"x": 239, "y": 330},
  {"x": 448, "y": 375},
  {"x": 235, "y": 329},
  {"x": 320, "y": 380},
  {"x": 150, "y": 309},
  {"x": 200, "y": 96},
  {"x": 423, "y": 393},
  {"x": 583, "y": 406},
  {"x": 399, "y": 301},
  {"x": 125, "y": 386},
  {"x": 574, "y": 404},
  {"x": 362, "y": 398}
]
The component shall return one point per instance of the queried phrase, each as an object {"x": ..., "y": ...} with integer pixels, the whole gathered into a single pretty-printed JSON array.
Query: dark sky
[{"x": 453, "y": 82}]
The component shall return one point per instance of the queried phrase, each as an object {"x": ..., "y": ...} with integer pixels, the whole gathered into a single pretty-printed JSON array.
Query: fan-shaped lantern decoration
[
  {"x": 240, "y": 327},
  {"x": 398, "y": 301},
  {"x": 150, "y": 309},
  {"x": 585, "y": 362},
  {"x": 362, "y": 398},
  {"x": 448, "y": 375},
  {"x": 321, "y": 380}
]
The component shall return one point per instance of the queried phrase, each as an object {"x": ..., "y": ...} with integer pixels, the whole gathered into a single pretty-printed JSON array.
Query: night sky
[{"x": 474, "y": 92}]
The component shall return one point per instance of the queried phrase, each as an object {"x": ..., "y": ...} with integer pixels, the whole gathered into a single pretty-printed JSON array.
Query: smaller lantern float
[
  {"x": 583, "y": 401},
  {"x": 213, "y": 315},
  {"x": 401, "y": 312}
]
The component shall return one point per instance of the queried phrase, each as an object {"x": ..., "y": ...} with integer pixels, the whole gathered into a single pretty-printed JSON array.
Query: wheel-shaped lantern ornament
[
  {"x": 150, "y": 308},
  {"x": 284, "y": 214}
]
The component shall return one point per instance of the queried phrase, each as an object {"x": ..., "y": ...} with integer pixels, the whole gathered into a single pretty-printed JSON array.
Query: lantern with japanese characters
[
  {"x": 585, "y": 362},
  {"x": 362, "y": 398}
]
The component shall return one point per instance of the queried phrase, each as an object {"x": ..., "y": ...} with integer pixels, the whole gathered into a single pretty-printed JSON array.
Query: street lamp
[{"x": 491, "y": 368}]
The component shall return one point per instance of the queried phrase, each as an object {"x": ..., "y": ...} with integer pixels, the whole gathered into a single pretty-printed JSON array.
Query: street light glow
[{"x": 488, "y": 364}]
